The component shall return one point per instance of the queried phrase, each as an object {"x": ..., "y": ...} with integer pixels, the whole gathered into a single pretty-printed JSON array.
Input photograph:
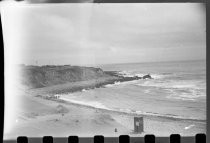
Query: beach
[
  {"x": 41, "y": 117},
  {"x": 100, "y": 107},
  {"x": 93, "y": 69}
]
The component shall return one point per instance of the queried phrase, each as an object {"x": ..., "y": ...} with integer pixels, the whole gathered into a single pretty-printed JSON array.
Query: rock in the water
[{"x": 148, "y": 76}]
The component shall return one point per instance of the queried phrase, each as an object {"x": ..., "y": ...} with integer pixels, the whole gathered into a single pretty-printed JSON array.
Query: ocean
[{"x": 177, "y": 90}]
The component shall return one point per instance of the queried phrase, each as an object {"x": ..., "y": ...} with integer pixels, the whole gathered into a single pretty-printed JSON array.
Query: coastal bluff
[{"x": 67, "y": 78}]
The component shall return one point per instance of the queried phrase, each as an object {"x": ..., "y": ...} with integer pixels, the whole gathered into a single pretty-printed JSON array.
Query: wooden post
[{"x": 138, "y": 125}]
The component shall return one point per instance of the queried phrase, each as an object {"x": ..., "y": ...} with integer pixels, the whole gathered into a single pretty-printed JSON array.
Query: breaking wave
[
  {"x": 133, "y": 74},
  {"x": 98, "y": 105},
  {"x": 183, "y": 90},
  {"x": 89, "y": 104},
  {"x": 121, "y": 83},
  {"x": 176, "y": 85}
]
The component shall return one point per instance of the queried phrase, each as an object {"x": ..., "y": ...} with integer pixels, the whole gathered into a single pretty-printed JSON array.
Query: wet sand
[{"x": 37, "y": 117}]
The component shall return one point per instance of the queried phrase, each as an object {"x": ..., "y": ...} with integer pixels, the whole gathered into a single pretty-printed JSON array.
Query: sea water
[
  {"x": 184, "y": 80},
  {"x": 178, "y": 90}
]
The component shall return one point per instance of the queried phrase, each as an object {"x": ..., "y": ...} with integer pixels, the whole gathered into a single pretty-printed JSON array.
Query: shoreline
[
  {"x": 127, "y": 113},
  {"x": 45, "y": 113},
  {"x": 69, "y": 88},
  {"x": 48, "y": 120},
  {"x": 72, "y": 87}
]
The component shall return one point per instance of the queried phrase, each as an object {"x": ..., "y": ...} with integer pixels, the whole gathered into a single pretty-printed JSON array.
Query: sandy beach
[
  {"x": 90, "y": 69},
  {"x": 37, "y": 117},
  {"x": 60, "y": 101}
]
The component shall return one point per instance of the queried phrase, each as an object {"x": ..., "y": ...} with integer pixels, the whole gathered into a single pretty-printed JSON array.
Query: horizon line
[{"x": 110, "y": 63}]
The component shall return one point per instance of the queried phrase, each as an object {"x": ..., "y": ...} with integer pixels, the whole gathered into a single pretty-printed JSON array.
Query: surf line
[{"x": 100, "y": 106}]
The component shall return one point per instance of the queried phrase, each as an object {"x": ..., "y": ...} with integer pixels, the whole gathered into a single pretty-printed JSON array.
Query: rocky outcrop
[
  {"x": 78, "y": 77},
  {"x": 148, "y": 76}
]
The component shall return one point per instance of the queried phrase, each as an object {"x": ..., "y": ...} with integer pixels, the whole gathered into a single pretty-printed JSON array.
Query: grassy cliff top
[{"x": 43, "y": 76}]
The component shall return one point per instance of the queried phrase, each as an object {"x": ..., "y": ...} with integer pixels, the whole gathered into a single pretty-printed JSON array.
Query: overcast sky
[{"x": 81, "y": 34}]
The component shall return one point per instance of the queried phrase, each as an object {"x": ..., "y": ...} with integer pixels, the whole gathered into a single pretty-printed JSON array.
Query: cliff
[{"x": 44, "y": 76}]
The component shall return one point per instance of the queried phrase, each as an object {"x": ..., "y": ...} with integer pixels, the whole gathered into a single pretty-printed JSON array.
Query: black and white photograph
[{"x": 106, "y": 69}]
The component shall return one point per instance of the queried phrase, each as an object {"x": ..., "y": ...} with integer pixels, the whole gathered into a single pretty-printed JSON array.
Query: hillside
[{"x": 44, "y": 76}]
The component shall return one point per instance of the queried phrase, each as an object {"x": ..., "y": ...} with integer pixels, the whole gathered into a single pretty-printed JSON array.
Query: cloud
[{"x": 113, "y": 32}]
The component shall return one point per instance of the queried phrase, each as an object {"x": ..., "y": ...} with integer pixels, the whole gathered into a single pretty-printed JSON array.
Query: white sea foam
[
  {"x": 139, "y": 74},
  {"x": 192, "y": 95},
  {"x": 158, "y": 76},
  {"x": 133, "y": 74},
  {"x": 121, "y": 83},
  {"x": 99, "y": 105},
  {"x": 171, "y": 84},
  {"x": 109, "y": 85},
  {"x": 130, "y": 74},
  {"x": 179, "y": 89},
  {"x": 112, "y": 85},
  {"x": 179, "y": 97},
  {"x": 125, "y": 74},
  {"x": 86, "y": 103}
]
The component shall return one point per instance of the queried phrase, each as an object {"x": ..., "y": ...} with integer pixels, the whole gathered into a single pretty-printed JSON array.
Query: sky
[{"x": 89, "y": 34}]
